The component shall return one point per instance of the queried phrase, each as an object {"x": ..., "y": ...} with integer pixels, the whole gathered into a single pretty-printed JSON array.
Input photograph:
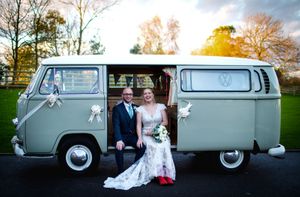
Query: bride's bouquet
[{"x": 160, "y": 133}]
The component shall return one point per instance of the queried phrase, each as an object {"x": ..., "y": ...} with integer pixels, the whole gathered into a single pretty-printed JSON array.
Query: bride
[{"x": 157, "y": 162}]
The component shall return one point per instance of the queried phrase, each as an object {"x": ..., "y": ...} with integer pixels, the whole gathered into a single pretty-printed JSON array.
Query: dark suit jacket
[{"x": 122, "y": 123}]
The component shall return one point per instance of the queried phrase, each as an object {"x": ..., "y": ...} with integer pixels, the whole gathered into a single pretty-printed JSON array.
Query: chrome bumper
[
  {"x": 16, "y": 146},
  {"x": 277, "y": 151}
]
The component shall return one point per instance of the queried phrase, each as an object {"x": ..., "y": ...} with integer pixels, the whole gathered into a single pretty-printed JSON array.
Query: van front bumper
[
  {"x": 15, "y": 141},
  {"x": 277, "y": 151}
]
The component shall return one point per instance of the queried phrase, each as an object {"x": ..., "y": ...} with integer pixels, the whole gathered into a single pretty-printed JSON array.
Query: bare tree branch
[
  {"x": 265, "y": 40},
  {"x": 14, "y": 26},
  {"x": 87, "y": 11}
]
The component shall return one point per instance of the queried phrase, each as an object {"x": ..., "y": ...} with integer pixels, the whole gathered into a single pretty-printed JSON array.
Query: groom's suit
[{"x": 125, "y": 129}]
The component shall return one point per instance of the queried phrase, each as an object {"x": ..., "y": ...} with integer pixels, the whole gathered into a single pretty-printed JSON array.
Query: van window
[
  {"x": 215, "y": 80},
  {"x": 70, "y": 81},
  {"x": 32, "y": 81}
]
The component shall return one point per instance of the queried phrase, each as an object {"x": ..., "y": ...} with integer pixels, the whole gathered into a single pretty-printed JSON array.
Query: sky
[{"x": 118, "y": 27}]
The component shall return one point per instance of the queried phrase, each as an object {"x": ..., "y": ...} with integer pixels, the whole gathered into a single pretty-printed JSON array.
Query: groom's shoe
[
  {"x": 162, "y": 181},
  {"x": 169, "y": 181}
]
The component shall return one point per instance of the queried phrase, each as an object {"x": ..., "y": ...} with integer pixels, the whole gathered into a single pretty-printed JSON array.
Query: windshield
[{"x": 32, "y": 82}]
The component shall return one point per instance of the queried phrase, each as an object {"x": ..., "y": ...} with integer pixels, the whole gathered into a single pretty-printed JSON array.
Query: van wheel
[
  {"x": 79, "y": 155},
  {"x": 233, "y": 161}
]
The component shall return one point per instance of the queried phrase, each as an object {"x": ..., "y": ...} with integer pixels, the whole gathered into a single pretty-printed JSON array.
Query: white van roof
[{"x": 151, "y": 60}]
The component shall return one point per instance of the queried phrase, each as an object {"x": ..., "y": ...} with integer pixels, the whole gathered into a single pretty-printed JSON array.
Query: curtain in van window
[{"x": 172, "y": 99}]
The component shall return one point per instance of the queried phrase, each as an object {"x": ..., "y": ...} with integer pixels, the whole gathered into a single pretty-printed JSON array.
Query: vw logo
[{"x": 225, "y": 79}]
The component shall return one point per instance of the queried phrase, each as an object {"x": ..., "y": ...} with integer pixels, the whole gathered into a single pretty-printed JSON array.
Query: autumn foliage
[
  {"x": 155, "y": 38},
  {"x": 261, "y": 37}
]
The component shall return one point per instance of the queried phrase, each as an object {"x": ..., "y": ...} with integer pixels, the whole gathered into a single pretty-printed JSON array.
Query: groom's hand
[
  {"x": 120, "y": 145},
  {"x": 139, "y": 143}
]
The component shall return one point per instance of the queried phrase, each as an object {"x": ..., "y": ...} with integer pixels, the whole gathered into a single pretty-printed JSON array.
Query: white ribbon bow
[
  {"x": 185, "y": 111},
  {"x": 95, "y": 111},
  {"x": 51, "y": 100}
]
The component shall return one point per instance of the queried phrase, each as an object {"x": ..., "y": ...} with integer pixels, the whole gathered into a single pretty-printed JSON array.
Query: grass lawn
[
  {"x": 8, "y": 98},
  {"x": 290, "y": 120}
]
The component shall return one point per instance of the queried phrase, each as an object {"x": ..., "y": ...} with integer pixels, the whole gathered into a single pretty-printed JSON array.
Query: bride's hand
[{"x": 148, "y": 132}]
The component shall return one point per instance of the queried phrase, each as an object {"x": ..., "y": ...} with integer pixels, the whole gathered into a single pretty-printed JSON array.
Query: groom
[{"x": 124, "y": 126}]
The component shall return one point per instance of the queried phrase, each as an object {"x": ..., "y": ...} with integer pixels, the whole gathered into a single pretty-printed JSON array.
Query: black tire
[
  {"x": 79, "y": 155},
  {"x": 232, "y": 161}
]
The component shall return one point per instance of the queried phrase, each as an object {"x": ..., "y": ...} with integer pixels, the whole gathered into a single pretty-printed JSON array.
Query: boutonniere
[{"x": 134, "y": 107}]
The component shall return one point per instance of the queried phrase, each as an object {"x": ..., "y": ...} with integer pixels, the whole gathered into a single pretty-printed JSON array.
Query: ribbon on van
[
  {"x": 184, "y": 112},
  {"x": 172, "y": 98},
  {"x": 95, "y": 112},
  {"x": 51, "y": 100}
]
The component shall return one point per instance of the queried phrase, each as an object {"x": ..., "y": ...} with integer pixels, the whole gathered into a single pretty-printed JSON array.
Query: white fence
[
  {"x": 293, "y": 90},
  {"x": 16, "y": 79}
]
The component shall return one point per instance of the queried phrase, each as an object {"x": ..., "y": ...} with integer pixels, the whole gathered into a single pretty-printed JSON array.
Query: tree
[
  {"x": 71, "y": 40},
  {"x": 222, "y": 43},
  {"x": 152, "y": 36},
  {"x": 171, "y": 36},
  {"x": 52, "y": 33},
  {"x": 14, "y": 27},
  {"x": 38, "y": 9},
  {"x": 87, "y": 11},
  {"x": 136, "y": 49},
  {"x": 26, "y": 58},
  {"x": 96, "y": 47},
  {"x": 265, "y": 40},
  {"x": 155, "y": 39},
  {"x": 25, "y": 64}
]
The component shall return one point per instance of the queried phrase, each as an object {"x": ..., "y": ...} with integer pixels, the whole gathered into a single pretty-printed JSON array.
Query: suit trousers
[{"x": 129, "y": 140}]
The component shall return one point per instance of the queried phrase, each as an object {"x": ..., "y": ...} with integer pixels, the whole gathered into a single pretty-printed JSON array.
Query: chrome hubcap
[
  {"x": 231, "y": 159},
  {"x": 79, "y": 157}
]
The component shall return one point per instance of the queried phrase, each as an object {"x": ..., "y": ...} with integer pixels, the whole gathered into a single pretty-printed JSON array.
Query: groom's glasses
[{"x": 127, "y": 94}]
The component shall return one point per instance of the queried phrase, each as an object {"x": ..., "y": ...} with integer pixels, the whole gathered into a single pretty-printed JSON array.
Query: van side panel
[
  {"x": 71, "y": 117},
  {"x": 267, "y": 131},
  {"x": 48, "y": 125},
  {"x": 21, "y": 113},
  {"x": 222, "y": 116},
  {"x": 268, "y": 110},
  {"x": 216, "y": 124}
]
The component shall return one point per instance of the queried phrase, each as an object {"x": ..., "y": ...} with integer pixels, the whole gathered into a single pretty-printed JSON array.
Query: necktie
[{"x": 130, "y": 111}]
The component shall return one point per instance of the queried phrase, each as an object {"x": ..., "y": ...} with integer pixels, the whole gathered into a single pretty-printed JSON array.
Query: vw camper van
[{"x": 226, "y": 106}]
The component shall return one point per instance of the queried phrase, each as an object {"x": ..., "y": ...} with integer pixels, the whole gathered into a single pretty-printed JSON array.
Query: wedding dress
[{"x": 157, "y": 160}]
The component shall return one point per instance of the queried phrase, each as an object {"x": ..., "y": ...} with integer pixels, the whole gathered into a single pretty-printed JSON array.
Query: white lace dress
[{"x": 157, "y": 160}]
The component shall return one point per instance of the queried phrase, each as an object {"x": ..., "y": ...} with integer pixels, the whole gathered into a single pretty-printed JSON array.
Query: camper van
[{"x": 226, "y": 106}]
